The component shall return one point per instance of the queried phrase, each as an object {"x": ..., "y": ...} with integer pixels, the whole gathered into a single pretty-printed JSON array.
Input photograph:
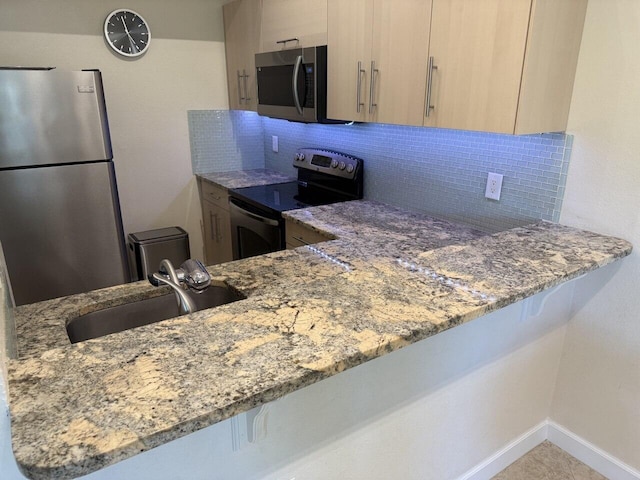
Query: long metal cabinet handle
[
  {"x": 430, "y": 70},
  {"x": 284, "y": 42},
  {"x": 372, "y": 86},
  {"x": 294, "y": 84},
  {"x": 218, "y": 235},
  {"x": 214, "y": 235},
  {"x": 240, "y": 97},
  {"x": 300, "y": 240},
  {"x": 359, "y": 104},
  {"x": 246, "y": 90}
]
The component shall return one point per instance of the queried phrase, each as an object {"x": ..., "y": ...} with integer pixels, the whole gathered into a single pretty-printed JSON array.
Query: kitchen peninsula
[{"x": 390, "y": 278}]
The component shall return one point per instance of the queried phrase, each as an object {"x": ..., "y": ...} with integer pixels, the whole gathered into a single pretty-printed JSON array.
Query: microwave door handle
[{"x": 294, "y": 84}]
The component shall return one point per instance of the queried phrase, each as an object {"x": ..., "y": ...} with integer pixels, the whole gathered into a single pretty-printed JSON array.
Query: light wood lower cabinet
[
  {"x": 297, "y": 235},
  {"x": 216, "y": 224}
]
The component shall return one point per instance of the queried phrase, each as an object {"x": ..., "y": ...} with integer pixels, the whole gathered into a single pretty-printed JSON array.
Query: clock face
[{"x": 127, "y": 33}]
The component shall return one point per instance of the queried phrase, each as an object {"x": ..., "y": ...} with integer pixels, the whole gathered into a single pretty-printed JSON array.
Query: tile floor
[{"x": 548, "y": 462}]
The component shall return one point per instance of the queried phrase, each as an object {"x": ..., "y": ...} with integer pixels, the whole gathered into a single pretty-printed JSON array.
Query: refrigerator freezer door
[
  {"x": 61, "y": 231},
  {"x": 51, "y": 116}
]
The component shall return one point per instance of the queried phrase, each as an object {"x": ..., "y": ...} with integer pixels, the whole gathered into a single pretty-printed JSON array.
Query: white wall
[
  {"x": 147, "y": 99},
  {"x": 598, "y": 390}
]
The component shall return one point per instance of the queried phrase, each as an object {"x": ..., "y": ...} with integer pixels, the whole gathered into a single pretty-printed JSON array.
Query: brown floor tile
[{"x": 548, "y": 462}]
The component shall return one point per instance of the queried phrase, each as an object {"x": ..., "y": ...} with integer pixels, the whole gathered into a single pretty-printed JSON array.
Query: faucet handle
[
  {"x": 152, "y": 280},
  {"x": 195, "y": 274}
]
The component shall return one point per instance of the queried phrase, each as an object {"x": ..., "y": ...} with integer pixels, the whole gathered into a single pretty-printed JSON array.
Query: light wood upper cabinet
[
  {"x": 350, "y": 29},
  {"x": 286, "y": 20},
  {"x": 376, "y": 67},
  {"x": 550, "y": 65},
  {"x": 503, "y": 66},
  {"x": 242, "y": 22}
]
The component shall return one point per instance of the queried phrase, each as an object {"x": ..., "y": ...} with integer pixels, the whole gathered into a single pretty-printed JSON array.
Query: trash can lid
[{"x": 158, "y": 234}]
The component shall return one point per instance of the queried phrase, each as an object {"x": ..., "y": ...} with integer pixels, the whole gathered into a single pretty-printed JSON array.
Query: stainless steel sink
[{"x": 143, "y": 312}]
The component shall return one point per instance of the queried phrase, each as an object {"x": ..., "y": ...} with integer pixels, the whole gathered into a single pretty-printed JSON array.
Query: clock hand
[
  {"x": 133, "y": 42},
  {"x": 125, "y": 25}
]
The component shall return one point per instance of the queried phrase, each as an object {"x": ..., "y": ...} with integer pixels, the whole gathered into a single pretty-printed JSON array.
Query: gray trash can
[{"x": 147, "y": 249}]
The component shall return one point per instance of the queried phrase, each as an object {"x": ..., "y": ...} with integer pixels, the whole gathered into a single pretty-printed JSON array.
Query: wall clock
[{"x": 127, "y": 33}]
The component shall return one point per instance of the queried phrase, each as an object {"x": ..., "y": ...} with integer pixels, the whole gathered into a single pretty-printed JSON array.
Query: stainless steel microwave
[{"x": 292, "y": 84}]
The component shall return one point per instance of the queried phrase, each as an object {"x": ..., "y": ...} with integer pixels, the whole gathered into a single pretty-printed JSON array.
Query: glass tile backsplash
[
  {"x": 437, "y": 171},
  {"x": 225, "y": 140}
]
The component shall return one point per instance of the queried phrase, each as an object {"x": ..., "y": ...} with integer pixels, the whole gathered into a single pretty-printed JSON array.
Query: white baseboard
[
  {"x": 587, "y": 453},
  {"x": 507, "y": 455}
]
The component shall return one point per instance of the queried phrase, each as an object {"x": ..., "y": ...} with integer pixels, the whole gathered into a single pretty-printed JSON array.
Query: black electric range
[{"x": 324, "y": 177}]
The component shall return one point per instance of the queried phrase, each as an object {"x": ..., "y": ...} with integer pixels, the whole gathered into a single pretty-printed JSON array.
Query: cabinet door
[
  {"x": 478, "y": 47},
  {"x": 553, "y": 44},
  {"x": 350, "y": 24},
  {"x": 304, "y": 20},
  {"x": 217, "y": 234},
  {"x": 242, "y": 40},
  {"x": 399, "y": 61},
  {"x": 297, "y": 235}
]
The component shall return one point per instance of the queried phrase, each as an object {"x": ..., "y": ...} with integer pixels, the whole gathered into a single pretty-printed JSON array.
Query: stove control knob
[
  {"x": 334, "y": 163},
  {"x": 342, "y": 165},
  {"x": 350, "y": 168},
  {"x": 302, "y": 157},
  {"x": 297, "y": 157}
]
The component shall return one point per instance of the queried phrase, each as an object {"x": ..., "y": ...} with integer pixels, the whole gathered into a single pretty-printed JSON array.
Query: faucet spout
[
  {"x": 192, "y": 273},
  {"x": 185, "y": 303},
  {"x": 167, "y": 267}
]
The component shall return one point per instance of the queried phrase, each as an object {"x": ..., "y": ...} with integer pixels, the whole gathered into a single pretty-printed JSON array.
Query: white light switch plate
[
  {"x": 274, "y": 143},
  {"x": 494, "y": 186}
]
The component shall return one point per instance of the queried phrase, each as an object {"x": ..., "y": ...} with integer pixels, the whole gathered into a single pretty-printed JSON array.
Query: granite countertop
[
  {"x": 390, "y": 278},
  {"x": 245, "y": 178}
]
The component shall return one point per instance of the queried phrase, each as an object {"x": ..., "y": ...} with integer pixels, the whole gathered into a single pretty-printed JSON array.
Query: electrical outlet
[
  {"x": 494, "y": 186},
  {"x": 274, "y": 143}
]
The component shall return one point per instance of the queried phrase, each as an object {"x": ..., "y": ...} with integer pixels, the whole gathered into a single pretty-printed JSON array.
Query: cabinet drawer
[
  {"x": 298, "y": 235},
  {"x": 214, "y": 194}
]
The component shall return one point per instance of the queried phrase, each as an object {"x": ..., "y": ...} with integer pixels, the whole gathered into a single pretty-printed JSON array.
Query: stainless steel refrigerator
[{"x": 60, "y": 223}]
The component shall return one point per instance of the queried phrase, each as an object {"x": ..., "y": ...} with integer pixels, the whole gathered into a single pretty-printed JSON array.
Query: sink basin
[{"x": 143, "y": 312}]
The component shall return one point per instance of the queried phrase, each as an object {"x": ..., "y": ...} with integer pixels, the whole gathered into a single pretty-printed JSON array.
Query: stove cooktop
[
  {"x": 324, "y": 177},
  {"x": 279, "y": 197}
]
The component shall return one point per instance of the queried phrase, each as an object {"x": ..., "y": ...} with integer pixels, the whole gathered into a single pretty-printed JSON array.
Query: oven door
[{"x": 254, "y": 231}]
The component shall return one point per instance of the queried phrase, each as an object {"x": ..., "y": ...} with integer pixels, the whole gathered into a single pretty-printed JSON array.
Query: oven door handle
[
  {"x": 254, "y": 216},
  {"x": 294, "y": 84}
]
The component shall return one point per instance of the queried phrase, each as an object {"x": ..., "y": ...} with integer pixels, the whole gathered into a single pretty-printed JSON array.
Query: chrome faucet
[
  {"x": 194, "y": 275},
  {"x": 191, "y": 273}
]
